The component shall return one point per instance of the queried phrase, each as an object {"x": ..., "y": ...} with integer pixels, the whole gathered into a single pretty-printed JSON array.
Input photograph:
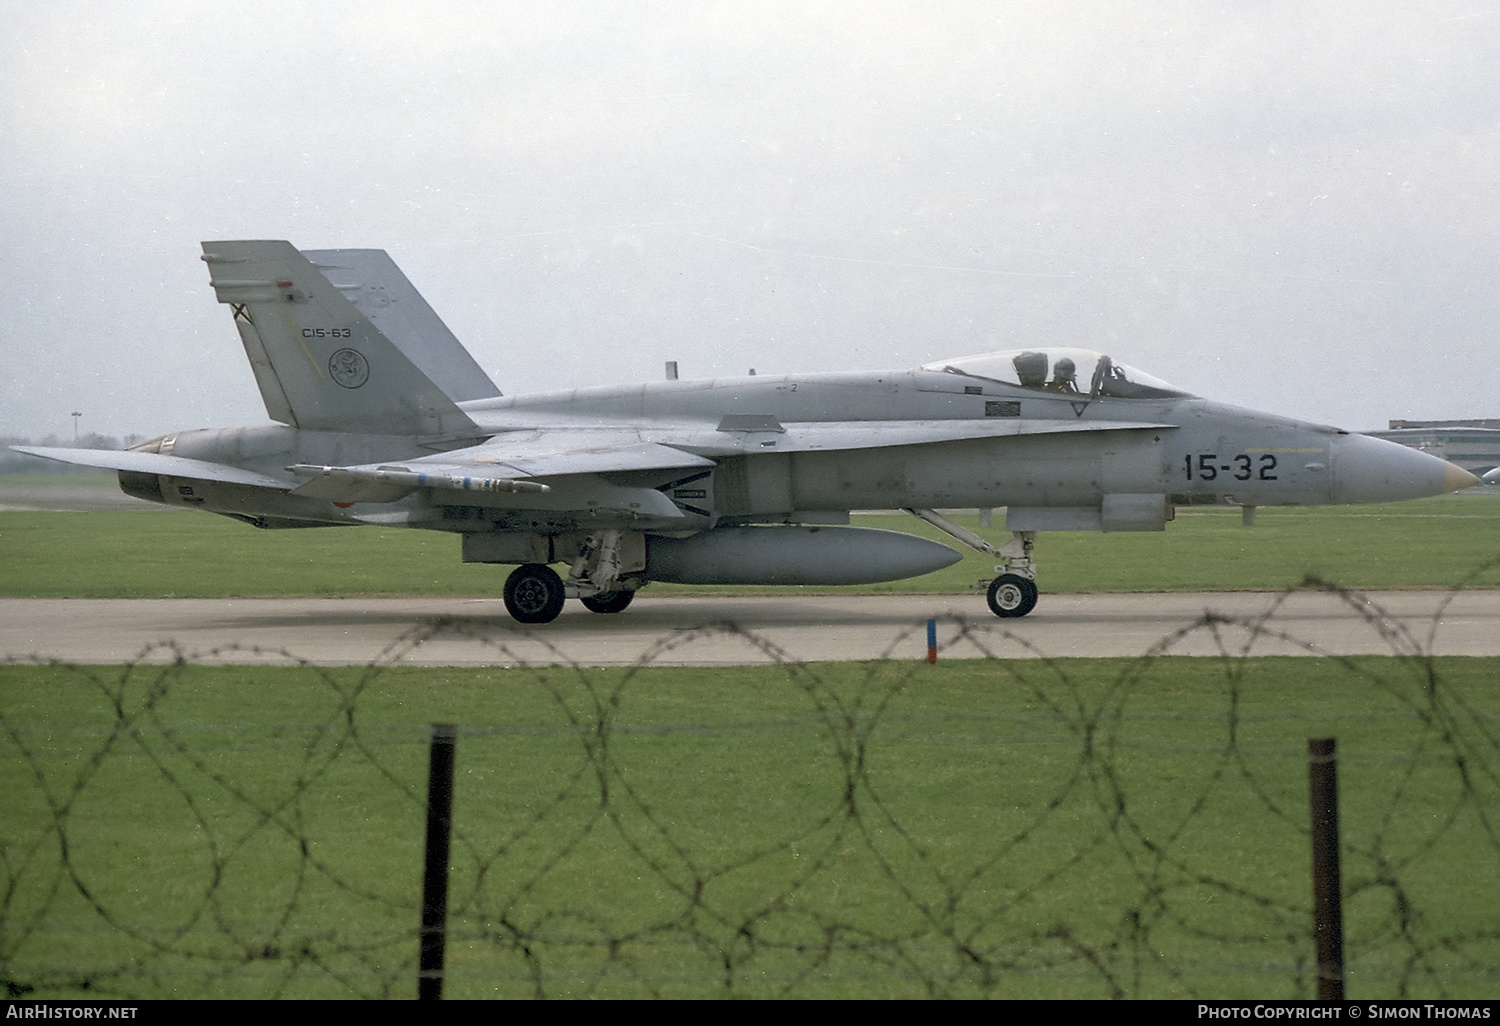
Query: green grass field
[
  {"x": 1081, "y": 828},
  {"x": 1431, "y": 543}
]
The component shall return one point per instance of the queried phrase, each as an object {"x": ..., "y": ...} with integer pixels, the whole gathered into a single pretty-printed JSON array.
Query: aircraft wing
[
  {"x": 155, "y": 463},
  {"x": 511, "y": 463},
  {"x": 560, "y": 451},
  {"x": 878, "y": 434},
  {"x": 556, "y": 452},
  {"x": 743, "y": 433}
]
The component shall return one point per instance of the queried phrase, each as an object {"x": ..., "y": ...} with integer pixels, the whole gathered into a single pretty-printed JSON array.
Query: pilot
[
  {"x": 1064, "y": 377},
  {"x": 1031, "y": 369}
]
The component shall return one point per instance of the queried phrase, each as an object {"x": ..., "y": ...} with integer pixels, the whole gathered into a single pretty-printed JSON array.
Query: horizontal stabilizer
[{"x": 155, "y": 463}]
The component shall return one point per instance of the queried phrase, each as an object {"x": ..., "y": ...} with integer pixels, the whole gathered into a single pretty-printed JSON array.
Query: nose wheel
[{"x": 1011, "y": 595}]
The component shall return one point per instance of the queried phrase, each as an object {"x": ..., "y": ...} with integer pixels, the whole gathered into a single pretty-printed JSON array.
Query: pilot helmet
[{"x": 1031, "y": 368}]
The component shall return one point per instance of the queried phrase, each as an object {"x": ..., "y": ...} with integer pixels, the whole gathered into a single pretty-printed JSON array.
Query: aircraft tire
[
  {"x": 533, "y": 593},
  {"x": 608, "y": 601},
  {"x": 1011, "y": 595}
]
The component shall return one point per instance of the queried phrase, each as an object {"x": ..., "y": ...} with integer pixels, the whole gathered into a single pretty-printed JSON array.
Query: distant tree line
[{"x": 20, "y": 463}]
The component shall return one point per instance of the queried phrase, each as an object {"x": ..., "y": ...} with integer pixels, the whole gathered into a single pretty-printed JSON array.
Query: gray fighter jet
[{"x": 383, "y": 418}]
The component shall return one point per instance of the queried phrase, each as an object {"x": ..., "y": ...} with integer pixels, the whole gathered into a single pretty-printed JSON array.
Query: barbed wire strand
[{"x": 988, "y": 927}]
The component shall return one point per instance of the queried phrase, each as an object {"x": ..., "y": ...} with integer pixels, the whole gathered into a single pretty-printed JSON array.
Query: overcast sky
[{"x": 1286, "y": 204}]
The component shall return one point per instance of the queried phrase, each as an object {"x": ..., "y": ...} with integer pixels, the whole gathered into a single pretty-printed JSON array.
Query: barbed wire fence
[{"x": 1013, "y": 828}]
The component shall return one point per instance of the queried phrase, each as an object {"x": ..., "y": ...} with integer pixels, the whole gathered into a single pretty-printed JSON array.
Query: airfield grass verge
[
  {"x": 66, "y": 476},
  {"x": 1430, "y": 543},
  {"x": 1076, "y": 828}
]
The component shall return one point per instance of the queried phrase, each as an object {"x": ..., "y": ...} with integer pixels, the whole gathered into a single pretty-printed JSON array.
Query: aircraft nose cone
[{"x": 1369, "y": 469}]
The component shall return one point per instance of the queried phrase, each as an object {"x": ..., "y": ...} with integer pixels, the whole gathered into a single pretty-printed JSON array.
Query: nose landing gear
[
  {"x": 1011, "y": 595},
  {"x": 1013, "y": 592}
]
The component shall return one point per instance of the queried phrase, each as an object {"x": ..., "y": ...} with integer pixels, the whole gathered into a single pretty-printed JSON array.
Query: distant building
[{"x": 1471, "y": 444}]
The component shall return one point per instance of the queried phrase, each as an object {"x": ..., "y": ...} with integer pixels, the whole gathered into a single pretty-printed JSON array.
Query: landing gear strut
[
  {"x": 1013, "y": 592},
  {"x": 534, "y": 593},
  {"x": 607, "y": 570}
]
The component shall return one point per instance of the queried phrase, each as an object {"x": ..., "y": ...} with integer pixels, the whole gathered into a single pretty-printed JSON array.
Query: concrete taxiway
[{"x": 723, "y": 630}]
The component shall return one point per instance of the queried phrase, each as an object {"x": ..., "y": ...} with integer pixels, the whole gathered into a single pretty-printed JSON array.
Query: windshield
[{"x": 1063, "y": 370}]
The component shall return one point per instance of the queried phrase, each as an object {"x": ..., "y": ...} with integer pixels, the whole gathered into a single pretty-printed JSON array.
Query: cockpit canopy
[{"x": 1065, "y": 371}]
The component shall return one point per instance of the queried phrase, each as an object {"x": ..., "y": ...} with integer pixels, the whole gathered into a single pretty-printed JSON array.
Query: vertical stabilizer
[
  {"x": 321, "y": 364},
  {"x": 370, "y": 280}
]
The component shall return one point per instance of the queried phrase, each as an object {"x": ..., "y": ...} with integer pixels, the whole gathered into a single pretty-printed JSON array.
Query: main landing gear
[
  {"x": 534, "y": 593},
  {"x": 1013, "y": 592},
  {"x": 607, "y": 601}
]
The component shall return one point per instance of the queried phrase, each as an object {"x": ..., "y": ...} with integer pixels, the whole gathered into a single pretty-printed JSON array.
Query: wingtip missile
[{"x": 388, "y": 477}]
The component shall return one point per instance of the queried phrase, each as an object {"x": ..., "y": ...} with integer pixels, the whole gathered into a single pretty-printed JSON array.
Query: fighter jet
[{"x": 382, "y": 417}]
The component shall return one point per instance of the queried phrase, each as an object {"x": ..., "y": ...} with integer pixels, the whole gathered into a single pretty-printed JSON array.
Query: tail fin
[
  {"x": 370, "y": 280},
  {"x": 320, "y": 363}
]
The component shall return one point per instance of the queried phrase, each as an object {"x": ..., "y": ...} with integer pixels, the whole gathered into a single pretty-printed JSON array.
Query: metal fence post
[
  {"x": 1328, "y": 911},
  {"x": 435, "y": 865}
]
